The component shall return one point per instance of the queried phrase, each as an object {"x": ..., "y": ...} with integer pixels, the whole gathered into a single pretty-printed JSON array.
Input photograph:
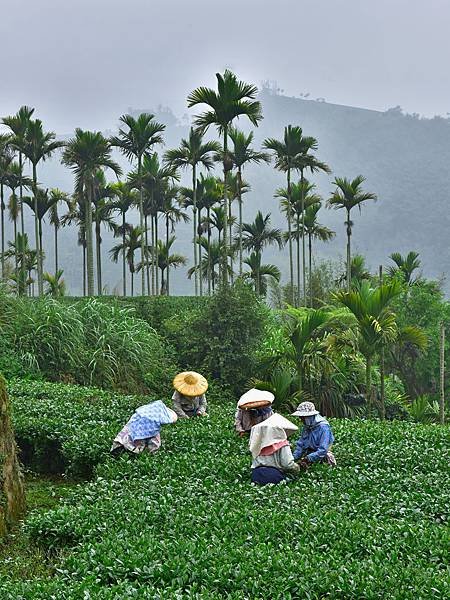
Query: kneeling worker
[
  {"x": 253, "y": 407},
  {"x": 189, "y": 396},
  {"x": 314, "y": 445},
  {"x": 272, "y": 456}
]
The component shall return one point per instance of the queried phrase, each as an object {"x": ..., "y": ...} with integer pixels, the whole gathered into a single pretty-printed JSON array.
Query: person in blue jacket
[{"x": 314, "y": 444}]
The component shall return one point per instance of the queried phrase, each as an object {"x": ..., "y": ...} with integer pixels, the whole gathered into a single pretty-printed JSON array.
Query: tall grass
[{"x": 87, "y": 343}]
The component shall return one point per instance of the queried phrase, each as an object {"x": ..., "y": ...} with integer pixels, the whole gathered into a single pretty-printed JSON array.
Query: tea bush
[
  {"x": 186, "y": 523},
  {"x": 69, "y": 429},
  {"x": 66, "y": 428}
]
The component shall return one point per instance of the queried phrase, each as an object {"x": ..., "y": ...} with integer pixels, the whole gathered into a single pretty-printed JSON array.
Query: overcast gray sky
[{"x": 84, "y": 62}]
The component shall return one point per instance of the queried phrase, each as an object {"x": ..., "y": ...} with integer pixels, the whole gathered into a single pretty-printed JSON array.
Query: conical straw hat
[
  {"x": 190, "y": 383},
  {"x": 255, "y": 399}
]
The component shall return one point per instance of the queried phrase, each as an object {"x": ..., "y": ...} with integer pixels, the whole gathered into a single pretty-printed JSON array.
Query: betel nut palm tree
[
  {"x": 136, "y": 140},
  {"x": 233, "y": 99}
]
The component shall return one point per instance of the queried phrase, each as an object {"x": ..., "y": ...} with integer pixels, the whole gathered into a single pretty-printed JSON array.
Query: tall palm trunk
[
  {"x": 36, "y": 231},
  {"x": 199, "y": 258},
  {"x": 310, "y": 270},
  {"x": 141, "y": 223},
  {"x": 124, "y": 266},
  {"x": 89, "y": 240},
  {"x": 225, "y": 208},
  {"x": 22, "y": 222},
  {"x": 349, "y": 256},
  {"x": 258, "y": 273},
  {"x": 98, "y": 241},
  {"x": 84, "y": 267},
  {"x": 167, "y": 246},
  {"x": 56, "y": 247},
  {"x": 16, "y": 257},
  {"x": 298, "y": 258},
  {"x": 194, "y": 209},
  {"x": 156, "y": 254},
  {"x": 132, "y": 282},
  {"x": 2, "y": 218},
  {"x": 152, "y": 237},
  {"x": 40, "y": 242},
  {"x": 303, "y": 237},
  {"x": 230, "y": 233},
  {"x": 147, "y": 262},
  {"x": 289, "y": 220},
  {"x": 239, "y": 182},
  {"x": 208, "y": 267}
]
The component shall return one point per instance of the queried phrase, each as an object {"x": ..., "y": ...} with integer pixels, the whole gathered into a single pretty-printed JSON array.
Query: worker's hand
[
  {"x": 242, "y": 434},
  {"x": 303, "y": 464},
  {"x": 203, "y": 414}
]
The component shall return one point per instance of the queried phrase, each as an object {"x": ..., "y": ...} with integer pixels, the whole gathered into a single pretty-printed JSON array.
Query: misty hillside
[{"x": 406, "y": 161}]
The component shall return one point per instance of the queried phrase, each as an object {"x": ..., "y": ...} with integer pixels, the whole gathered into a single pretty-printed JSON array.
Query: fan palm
[
  {"x": 166, "y": 260},
  {"x": 38, "y": 146},
  {"x": 136, "y": 141},
  {"x": 405, "y": 266},
  {"x": 259, "y": 273},
  {"x": 192, "y": 153},
  {"x": 347, "y": 195},
  {"x": 56, "y": 286},
  {"x": 133, "y": 242},
  {"x": 85, "y": 154},
  {"x": 257, "y": 235},
  {"x": 243, "y": 154},
  {"x": 233, "y": 99},
  {"x": 375, "y": 321},
  {"x": 301, "y": 332},
  {"x": 124, "y": 197}
]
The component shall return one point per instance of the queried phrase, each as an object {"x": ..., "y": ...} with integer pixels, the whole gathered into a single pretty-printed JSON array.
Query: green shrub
[{"x": 224, "y": 338}]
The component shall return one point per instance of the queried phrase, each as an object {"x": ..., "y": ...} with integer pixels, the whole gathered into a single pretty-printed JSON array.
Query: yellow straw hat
[{"x": 190, "y": 383}]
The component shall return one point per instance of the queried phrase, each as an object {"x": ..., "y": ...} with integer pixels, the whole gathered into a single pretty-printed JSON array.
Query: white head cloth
[{"x": 274, "y": 429}]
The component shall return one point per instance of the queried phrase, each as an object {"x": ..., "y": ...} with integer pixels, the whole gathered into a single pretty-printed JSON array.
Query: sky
[{"x": 83, "y": 63}]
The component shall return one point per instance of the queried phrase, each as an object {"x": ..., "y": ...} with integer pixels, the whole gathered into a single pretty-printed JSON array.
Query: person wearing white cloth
[
  {"x": 272, "y": 455},
  {"x": 253, "y": 407}
]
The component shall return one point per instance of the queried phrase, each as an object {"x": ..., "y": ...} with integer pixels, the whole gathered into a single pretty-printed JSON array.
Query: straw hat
[
  {"x": 305, "y": 409},
  {"x": 190, "y": 383},
  {"x": 255, "y": 399}
]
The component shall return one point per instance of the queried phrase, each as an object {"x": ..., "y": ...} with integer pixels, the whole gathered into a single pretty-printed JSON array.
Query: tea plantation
[{"x": 186, "y": 522}]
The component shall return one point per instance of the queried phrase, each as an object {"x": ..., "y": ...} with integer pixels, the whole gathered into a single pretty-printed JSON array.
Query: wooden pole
[
  {"x": 382, "y": 390},
  {"x": 442, "y": 374}
]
